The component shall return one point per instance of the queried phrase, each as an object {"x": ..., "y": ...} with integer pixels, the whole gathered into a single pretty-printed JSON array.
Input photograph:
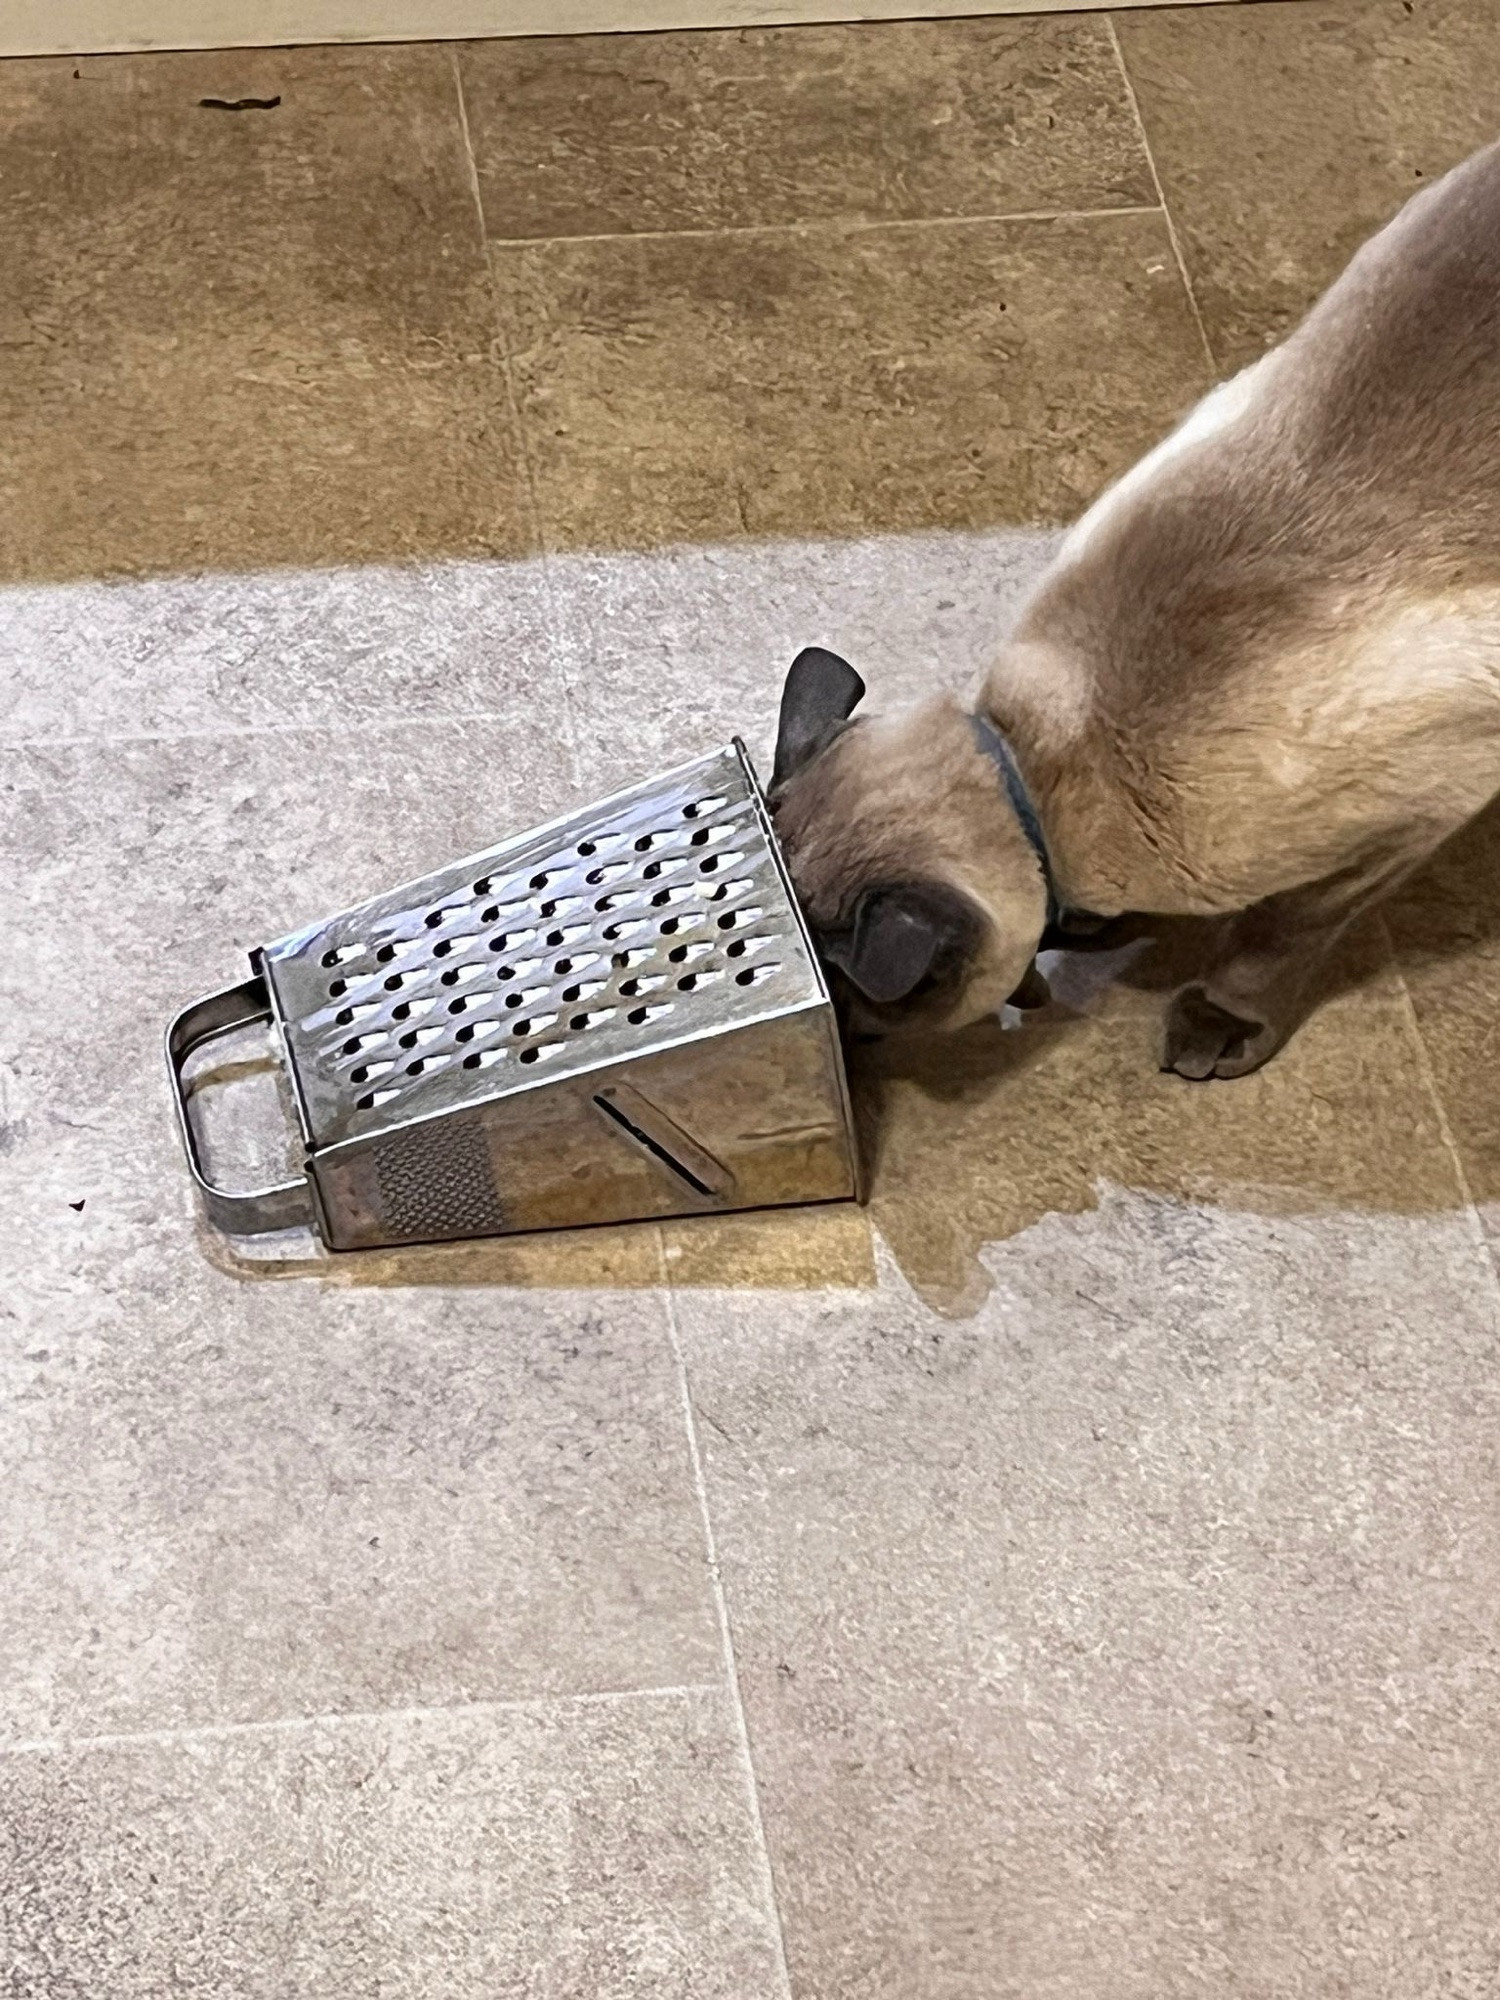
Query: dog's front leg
[{"x": 1264, "y": 978}]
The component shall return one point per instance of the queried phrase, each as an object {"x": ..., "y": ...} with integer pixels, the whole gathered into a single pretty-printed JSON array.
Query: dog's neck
[
  {"x": 1063, "y": 921},
  {"x": 1105, "y": 851},
  {"x": 995, "y": 745}
]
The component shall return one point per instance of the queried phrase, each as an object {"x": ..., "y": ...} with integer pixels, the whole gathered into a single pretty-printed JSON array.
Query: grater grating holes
[
  {"x": 679, "y": 896},
  {"x": 541, "y": 1051}
]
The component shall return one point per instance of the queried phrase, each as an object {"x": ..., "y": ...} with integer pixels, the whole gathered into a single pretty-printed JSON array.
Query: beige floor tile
[
  {"x": 1446, "y": 927},
  {"x": 1133, "y": 1639},
  {"x": 719, "y": 389},
  {"x": 783, "y": 125},
  {"x": 1285, "y": 135},
  {"x": 229, "y": 1499},
  {"x": 240, "y": 338},
  {"x": 571, "y": 1850}
]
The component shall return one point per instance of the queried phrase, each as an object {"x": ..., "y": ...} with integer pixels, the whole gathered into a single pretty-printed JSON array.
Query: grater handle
[{"x": 254, "y": 1212}]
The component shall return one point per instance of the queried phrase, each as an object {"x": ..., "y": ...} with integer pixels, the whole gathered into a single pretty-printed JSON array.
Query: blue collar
[{"x": 995, "y": 746}]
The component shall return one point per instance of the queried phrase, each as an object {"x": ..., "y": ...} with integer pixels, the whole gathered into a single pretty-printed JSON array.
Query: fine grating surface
[
  {"x": 436, "y": 1180},
  {"x": 1074, "y": 1577}
]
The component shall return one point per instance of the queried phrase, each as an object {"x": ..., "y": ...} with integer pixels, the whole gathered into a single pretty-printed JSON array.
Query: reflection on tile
[
  {"x": 1446, "y": 928},
  {"x": 979, "y": 1138},
  {"x": 789, "y": 1249},
  {"x": 1134, "y": 1637},
  {"x": 230, "y": 1499},
  {"x": 581, "y": 137},
  {"x": 574, "y": 1850},
  {"x": 670, "y": 653},
  {"x": 246, "y": 338},
  {"x": 719, "y": 389},
  {"x": 331, "y": 647},
  {"x": 576, "y": 1259},
  {"x": 1284, "y": 136}
]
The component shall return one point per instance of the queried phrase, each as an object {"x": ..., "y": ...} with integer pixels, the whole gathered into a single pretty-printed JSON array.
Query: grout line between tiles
[
  {"x": 334, "y": 1718},
  {"x": 519, "y": 431},
  {"x": 1445, "y": 1127},
  {"x": 1161, "y": 196},
  {"x": 835, "y": 225},
  {"x": 726, "y": 1633}
]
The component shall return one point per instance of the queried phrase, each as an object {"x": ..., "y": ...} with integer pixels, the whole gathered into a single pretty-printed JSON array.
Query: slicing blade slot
[{"x": 666, "y": 1142}]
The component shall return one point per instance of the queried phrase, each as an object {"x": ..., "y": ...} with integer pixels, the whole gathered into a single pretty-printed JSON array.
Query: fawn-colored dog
[{"x": 1260, "y": 681}]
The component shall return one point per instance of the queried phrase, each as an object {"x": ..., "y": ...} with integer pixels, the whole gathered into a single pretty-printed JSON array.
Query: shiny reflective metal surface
[{"x": 618, "y": 1015}]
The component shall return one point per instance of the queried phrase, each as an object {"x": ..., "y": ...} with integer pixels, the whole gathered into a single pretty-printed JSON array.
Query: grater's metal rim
[{"x": 821, "y": 998}]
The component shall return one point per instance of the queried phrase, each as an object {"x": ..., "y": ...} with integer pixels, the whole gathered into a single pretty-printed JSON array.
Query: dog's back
[{"x": 1283, "y": 628}]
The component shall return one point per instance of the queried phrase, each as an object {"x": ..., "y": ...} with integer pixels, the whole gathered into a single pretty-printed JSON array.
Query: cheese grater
[{"x": 615, "y": 1016}]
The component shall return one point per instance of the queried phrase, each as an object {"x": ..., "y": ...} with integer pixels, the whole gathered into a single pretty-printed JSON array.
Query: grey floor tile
[
  {"x": 670, "y": 653},
  {"x": 147, "y": 867},
  {"x": 1137, "y": 1636},
  {"x": 228, "y": 1499},
  {"x": 653, "y": 656},
  {"x": 328, "y": 648},
  {"x": 569, "y": 1852}
]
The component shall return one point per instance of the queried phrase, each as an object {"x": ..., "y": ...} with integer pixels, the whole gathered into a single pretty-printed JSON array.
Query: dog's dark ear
[
  {"x": 897, "y": 938},
  {"x": 820, "y": 695}
]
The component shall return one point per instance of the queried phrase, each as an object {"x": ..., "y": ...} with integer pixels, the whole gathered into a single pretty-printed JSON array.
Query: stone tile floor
[{"x": 1072, "y": 1578}]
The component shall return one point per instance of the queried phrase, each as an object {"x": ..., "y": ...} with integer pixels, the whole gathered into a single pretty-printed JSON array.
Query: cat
[{"x": 1259, "y": 681}]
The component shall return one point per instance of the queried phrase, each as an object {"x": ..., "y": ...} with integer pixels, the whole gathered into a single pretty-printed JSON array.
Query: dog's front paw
[{"x": 1205, "y": 1040}]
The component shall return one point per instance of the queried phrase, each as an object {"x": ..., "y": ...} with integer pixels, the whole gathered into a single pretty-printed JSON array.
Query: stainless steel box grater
[{"x": 618, "y": 1015}]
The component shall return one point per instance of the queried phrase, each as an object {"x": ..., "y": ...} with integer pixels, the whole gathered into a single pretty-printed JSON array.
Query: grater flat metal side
[{"x": 615, "y": 1016}]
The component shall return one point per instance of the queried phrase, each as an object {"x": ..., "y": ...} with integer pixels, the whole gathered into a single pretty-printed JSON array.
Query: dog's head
[{"x": 917, "y": 881}]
